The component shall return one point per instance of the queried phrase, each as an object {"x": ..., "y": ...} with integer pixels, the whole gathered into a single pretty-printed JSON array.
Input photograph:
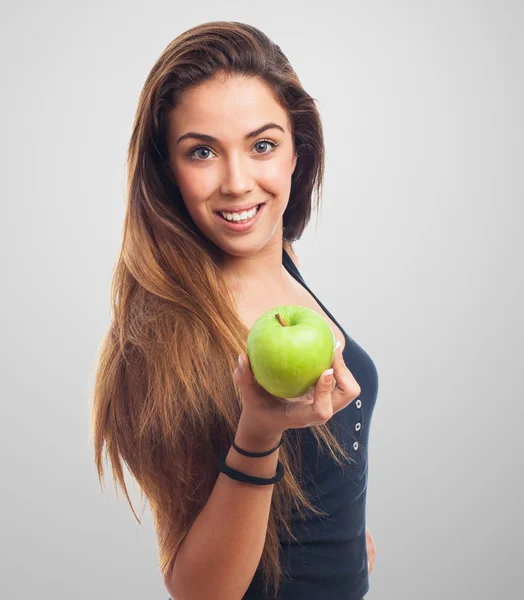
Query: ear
[{"x": 294, "y": 162}]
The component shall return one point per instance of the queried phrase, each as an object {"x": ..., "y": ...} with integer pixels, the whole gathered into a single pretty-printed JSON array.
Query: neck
[{"x": 262, "y": 269}]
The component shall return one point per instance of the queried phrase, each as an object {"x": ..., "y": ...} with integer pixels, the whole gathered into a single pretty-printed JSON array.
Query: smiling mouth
[
  {"x": 256, "y": 209},
  {"x": 241, "y": 211}
]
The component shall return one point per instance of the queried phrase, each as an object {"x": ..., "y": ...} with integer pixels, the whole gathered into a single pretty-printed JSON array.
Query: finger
[
  {"x": 342, "y": 374},
  {"x": 320, "y": 410},
  {"x": 347, "y": 387},
  {"x": 243, "y": 374}
]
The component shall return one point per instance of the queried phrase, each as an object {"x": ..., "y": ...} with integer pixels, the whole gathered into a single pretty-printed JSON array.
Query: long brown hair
[{"x": 164, "y": 401}]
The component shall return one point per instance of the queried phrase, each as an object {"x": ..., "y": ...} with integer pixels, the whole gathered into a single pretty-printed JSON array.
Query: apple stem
[{"x": 281, "y": 320}]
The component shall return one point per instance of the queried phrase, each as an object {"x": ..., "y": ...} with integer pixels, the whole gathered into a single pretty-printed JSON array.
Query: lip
[
  {"x": 238, "y": 209},
  {"x": 241, "y": 227}
]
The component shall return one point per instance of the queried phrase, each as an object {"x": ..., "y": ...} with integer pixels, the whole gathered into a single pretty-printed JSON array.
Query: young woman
[{"x": 252, "y": 496}]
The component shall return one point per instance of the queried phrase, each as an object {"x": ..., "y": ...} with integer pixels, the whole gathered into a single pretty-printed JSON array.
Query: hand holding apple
[
  {"x": 289, "y": 346},
  {"x": 265, "y": 416}
]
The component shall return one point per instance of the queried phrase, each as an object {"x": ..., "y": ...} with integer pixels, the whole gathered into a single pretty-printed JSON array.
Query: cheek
[
  {"x": 195, "y": 184},
  {"x": 277, "y": 177}
]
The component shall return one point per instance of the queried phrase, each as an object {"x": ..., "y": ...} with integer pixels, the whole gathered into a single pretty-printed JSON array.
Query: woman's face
[{"x": 240, "y": 168}]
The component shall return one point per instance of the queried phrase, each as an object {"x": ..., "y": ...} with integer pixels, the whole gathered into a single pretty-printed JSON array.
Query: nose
[{"x": 237, "y": 179}]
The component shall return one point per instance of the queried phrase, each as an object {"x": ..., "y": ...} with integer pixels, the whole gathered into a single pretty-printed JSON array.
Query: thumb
[
  {"x": 344, "y": 378},
  {"x": 325, "y": 382}
]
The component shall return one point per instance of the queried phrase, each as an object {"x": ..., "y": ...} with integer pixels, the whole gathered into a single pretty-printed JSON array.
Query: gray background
[{"x": 416, "y": 254}]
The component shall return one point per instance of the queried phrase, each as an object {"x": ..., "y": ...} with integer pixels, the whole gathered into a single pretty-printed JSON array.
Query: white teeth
[{"x": 243, "y": 216}]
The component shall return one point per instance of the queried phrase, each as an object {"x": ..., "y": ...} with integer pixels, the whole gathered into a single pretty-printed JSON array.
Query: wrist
[{"x": 251, "y": 440}]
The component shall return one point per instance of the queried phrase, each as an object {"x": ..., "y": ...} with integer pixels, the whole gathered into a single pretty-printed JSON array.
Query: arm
[
  {"x": 370, "y": 547},
  {"x": 219, "y": 555}
]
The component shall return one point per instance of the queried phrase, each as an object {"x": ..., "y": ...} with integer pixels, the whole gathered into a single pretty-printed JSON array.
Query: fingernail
[
  {"x": 337, "y": 345},
  {"x": 328, "y": 374},
  {"x": 240, "y": 363}
]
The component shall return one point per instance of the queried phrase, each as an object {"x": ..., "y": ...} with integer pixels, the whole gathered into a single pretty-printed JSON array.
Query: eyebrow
[{"x": 211, "y": 139}]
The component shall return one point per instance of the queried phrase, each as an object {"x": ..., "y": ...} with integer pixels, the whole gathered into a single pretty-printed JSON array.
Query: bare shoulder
[{"x": 289, "y": 250}]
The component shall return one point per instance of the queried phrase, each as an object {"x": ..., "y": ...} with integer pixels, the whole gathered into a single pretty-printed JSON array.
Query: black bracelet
[
  {"x": 243, "y": 477},
  {"x": 256, "y": 454}
]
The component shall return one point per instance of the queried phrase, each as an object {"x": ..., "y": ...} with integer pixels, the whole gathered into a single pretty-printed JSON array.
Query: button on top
[{"x": 359, "y": 403}]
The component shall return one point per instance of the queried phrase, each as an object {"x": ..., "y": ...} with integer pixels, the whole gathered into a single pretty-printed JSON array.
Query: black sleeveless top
[{"x": 330, "y": 561}]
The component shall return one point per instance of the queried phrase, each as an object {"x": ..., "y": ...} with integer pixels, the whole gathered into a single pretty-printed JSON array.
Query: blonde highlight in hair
[{"x": 164, "y": 400}]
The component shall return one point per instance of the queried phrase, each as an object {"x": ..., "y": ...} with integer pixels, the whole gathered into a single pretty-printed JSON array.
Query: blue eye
[
  {"x": 191, "y": 153},
  {"x": 273, "y": 146}
]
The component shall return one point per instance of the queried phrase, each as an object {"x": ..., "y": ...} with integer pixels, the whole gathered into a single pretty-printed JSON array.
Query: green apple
[{"x": 289, "y": 347}]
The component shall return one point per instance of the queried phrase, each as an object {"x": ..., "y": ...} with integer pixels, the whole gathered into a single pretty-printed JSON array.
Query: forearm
[{"x": 219, "y": 555}]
